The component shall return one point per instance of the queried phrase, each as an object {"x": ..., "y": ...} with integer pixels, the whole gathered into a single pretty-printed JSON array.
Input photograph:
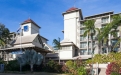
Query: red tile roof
[
  {"x": 29, "y": 21},
  {"x": 72, "y": 9}
]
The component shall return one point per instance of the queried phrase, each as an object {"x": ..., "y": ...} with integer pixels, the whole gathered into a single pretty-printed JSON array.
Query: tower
[
  {"x": 29, "y": 27},
  {"x": 72, "y": 25}
]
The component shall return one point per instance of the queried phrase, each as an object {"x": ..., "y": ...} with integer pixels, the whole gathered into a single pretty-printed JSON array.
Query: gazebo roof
[
  {"x": 23, "y": 47},
  {"x": 25, "y": 39}
]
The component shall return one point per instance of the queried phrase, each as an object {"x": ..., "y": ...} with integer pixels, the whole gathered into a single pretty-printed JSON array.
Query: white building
[
  {"x": 28, "y": 38},
  {"x": 74, "y": 45}
]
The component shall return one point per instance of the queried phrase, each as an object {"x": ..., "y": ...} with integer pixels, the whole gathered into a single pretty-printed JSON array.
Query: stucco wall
[{"x": 66, "y": 54}]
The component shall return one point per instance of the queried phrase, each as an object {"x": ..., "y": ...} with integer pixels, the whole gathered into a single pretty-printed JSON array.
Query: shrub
[
  {"x": 103, "y": 58},
  {"x": 113, "y": 69},
  {"x": 115, "y": 73},
  {"x": 69, "y": 64},
  {"x": 75, "y": 68},
  {"x": 12, "y": 66},
  {"x": 52, "y": 66}
]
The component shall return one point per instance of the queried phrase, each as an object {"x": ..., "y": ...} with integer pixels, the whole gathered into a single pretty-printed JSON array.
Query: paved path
[
  {"x": 102, "y": 72},
  {"x": 37, "y": 73}
]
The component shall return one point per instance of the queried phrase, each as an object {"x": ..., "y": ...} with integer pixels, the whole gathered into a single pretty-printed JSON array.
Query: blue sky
[{"x": 48, "y": 13}]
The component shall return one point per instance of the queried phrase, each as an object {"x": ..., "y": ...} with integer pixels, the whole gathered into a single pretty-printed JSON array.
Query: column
[{"x": 7, "y": 57}]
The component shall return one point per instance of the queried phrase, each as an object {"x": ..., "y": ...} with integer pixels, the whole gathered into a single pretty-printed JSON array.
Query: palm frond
[{"x": 118, "y": 42}]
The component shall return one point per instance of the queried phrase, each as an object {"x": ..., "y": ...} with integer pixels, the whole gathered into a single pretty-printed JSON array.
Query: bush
[
  {"x": 115, "y": 73},
  {"x": 12, "y": 66},
  {"x": 103, "y": 58},
  {"x": 113, "y": 69},
  {"x": 52, "y": 66},
  {"x": 69, "y": 64},
  {"x": 75, "y": 68}
]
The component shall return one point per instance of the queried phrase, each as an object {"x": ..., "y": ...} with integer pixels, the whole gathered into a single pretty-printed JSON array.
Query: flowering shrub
[
  {"x": 103, "y": 58},
  {"x": 78, "y": 67},
  {"x": 113, "y": 69}
]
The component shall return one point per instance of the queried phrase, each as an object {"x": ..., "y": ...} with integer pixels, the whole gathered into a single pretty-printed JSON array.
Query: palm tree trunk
[
  {"x": 99, "y": 49},
  {"x": 92, "y": 53},
  {"x": 31, "y": 65},
  {"x": 91, "y": 43}
]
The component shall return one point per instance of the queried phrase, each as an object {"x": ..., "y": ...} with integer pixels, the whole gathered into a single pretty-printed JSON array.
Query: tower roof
[
  {"x": 72, "y": 9},
  {"x": 30, "y": 21}
]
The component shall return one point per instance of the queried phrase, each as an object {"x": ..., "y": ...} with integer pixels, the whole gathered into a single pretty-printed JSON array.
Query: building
[
  {"x": 27, "y": 38},
  {"x": 74, "y": 45}
]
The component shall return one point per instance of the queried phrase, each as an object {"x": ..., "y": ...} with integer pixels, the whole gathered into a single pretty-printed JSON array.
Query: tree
[
  {"x": 21, "y": 61},
  {"x": 114, "y": 28},
  {"x": 99, "y": 32},
  {"x": 57, "y": 46},
  {"x": 111, "y": 28},
  {"x": 89, "y": 30},
  {"x": 56, "y": 43},
  {"x": 31, "y": 57},
  {"x": 4, "y": 35}
]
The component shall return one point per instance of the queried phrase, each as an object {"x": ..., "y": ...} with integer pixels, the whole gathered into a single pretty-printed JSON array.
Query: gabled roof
[
  {"x": 25, "y": 39},
  {"x": 49, "y": 46},
  {"x": 30, "y": 21}
]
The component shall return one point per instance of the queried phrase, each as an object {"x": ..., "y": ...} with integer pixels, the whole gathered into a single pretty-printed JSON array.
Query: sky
[{"x": 48, "y": 13}]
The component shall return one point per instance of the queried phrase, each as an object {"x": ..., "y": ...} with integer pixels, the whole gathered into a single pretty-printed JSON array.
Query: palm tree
[
  {"x": 114, "y": 27},
  {"x": 111, "y": 28},
  {"x": 99, "y": 31},
  {"x": 57, "y": 46},
  {"x": 30, "y": 57},
  {"x": 4, "y": 35},
  {"x": 89, "y": 30},
  {"x": 56, "y": 43}
]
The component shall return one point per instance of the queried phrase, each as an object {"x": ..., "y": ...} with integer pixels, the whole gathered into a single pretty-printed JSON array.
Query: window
[
  {"x": 103, "y": 26},
  {"x": 105, "y": 20},
  {"x": 82, "y": 38},
  {"x": 83, "y": 52},
  {"x": 76, "y": 52},
  {"x": 113, "y": 44},
  {"x": 26, "y": 28},
  {"x": 104, "y": 50},
  {"x": 66, "y": 47},
  {"x": 82, "y": 31},
  {"x": 81, "y": 24},
  {"x": 90, "y": 52},
  {"x": 90, "y": 44},
  {"x": 83, "y": 45}
]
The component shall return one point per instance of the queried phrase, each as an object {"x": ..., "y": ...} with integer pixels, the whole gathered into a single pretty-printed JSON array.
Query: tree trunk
[
  {"x": 31, "y": 65},
  {"x": 91, "y": 43},
  {"x": 92, "y": 53}
]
